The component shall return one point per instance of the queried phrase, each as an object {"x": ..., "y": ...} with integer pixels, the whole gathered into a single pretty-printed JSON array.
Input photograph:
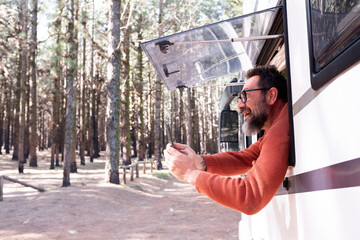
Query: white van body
[
  {"x": 320, "y": 196},
  {"x": 326, "y": 128}
]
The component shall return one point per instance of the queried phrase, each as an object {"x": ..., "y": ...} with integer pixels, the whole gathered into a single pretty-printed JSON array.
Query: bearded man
[{"x": 263, "y": 102}]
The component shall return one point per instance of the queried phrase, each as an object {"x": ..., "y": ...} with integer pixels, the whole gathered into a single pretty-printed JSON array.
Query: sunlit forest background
[{"x": 74, "y": 81}]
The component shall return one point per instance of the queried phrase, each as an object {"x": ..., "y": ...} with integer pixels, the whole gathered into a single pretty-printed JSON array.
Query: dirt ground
[{"x": 153, "y": 206}]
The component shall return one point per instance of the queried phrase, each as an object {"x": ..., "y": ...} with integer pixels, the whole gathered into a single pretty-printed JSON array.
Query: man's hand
[{"x": 183, "y": 162}]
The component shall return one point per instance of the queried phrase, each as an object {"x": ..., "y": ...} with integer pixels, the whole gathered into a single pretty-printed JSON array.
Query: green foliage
[
  {"x": 161, "y": 174},
  {"x": 221, "y": 9},
  {"x": 137, "y": 187}
]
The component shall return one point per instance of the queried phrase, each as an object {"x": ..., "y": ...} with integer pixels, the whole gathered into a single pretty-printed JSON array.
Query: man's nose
[{"x": 240, "y": 104}]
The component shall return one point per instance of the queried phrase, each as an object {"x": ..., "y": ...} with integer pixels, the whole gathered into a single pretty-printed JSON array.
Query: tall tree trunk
[
  {"x": 173, "y": 115},
  {"x": 176, "y": 112},
  {"x": 126, "y": 138},
  {"x": 27, "y": 115},
  {"x": 16, "y": 123},
  {"x": 33, "y": 136},
  {"x": 196, "y": 122},
  {"x": 97, "y": 116},
  {"x": 73, "y": 67},
  {"x": 55, "y": 136},
  {"x": 182, "y": 118},
  {"x": 210, "y": 122},
  {"x": 83, "y": 95},
  {"x": 151, "y": 116},
  {"x": 41, "y": 127},
  {"x": 62, "y": 120},
  {"x": 162, "y": 139},
  {"x": 9, "y": 115},
  {"x": 157, "y": 130},
  {"x": 92, "y": 121},
  {"x": 102, "y": 124},
  {"x": 94, "y": 118},
  {"x": 90, "y": 142},
  {"x": 113, "y": 105},
  {"x": 189, "y": 119},
  {"x": 158, "y": 93},
  {"x": 23, "y": 70},
  {"x": 214, "y": 121},
  {"x": 70, "y": 140},
  {"x": 205, "y": 122},
  {"x": 140, "y": 81},
  {"x": 151, "y": 129},
  {"x": 89, "y": 146}
]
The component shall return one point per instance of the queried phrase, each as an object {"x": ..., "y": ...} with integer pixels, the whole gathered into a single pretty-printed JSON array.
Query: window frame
[{"x": 338, "y": 65}]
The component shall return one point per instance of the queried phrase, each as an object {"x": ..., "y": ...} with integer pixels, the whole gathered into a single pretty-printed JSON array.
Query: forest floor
[{"x": 153, "y": 206}]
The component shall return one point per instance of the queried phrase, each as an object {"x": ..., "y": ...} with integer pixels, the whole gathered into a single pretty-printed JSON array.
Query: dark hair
[{"x": 270, "y": 77}]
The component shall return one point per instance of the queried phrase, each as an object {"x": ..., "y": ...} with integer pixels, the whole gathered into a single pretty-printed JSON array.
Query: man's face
[{"x": 255, "y": 110}]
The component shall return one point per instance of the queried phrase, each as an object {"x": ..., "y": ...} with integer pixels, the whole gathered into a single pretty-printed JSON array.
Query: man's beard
[{"x": 256, "y": 119}]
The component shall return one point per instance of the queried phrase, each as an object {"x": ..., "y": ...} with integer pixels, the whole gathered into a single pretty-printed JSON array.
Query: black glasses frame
[{"x": 243, "y": 95}]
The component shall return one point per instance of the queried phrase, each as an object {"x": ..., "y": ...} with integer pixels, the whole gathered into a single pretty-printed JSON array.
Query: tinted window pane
[
  {"x": 335, "y": 26},
  {"x": 229, "y": 128}
]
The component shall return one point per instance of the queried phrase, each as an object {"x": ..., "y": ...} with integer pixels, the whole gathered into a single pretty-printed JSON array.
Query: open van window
[
  {"x": 334, "y": 37},
  {"x": 206, "y": 53}
]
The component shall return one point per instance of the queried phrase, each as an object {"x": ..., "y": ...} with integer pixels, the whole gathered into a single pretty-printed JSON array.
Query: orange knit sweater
[{"x": 265, "y": 163}]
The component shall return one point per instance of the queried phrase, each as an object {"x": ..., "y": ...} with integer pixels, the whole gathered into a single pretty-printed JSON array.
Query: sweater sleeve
[
  {"x": 232, "y": 163},
  {"x": 252, "y": 193}
]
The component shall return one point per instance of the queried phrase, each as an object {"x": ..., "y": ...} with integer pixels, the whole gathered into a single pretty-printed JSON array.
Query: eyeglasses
[{"x": 243, "y": 97}]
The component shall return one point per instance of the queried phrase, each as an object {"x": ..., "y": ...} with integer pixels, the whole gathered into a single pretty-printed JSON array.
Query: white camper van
[{"x": 316, "y": 44}]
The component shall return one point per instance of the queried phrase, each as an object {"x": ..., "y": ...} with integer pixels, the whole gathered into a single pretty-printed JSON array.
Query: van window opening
[{"x": 334, "y": 28}]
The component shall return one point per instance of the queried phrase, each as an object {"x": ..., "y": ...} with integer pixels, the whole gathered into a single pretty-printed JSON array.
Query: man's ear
[{"x": 271, "y": 96}]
